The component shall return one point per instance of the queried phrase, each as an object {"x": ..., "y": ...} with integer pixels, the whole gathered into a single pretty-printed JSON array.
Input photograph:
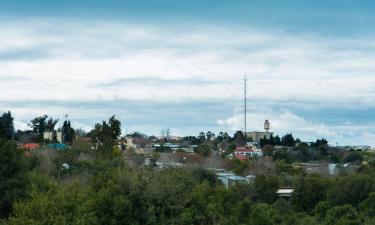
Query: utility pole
[{"x": 245, "y": 107}]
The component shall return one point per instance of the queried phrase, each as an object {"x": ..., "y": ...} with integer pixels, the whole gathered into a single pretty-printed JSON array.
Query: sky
[{"x": 180, "y": 64}]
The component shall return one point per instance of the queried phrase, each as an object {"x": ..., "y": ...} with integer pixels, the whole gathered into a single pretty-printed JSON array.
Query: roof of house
[
  {"x": 58, "y": 146},
  {"x": 241, "y": 157},
  {"x": 285, "y": 191},
  {"x": 31, "y": 146},
  {"x": 243, "y": 149}
]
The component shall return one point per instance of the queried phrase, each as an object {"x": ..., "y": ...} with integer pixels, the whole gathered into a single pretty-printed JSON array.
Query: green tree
[
  {"x": 106, "y": 136},
  {"x": 13, "y": 180},
  {"x": 266, "y": 188},
  {"x": 353, "y": 157},
  {"x": 261, "y": 214},
  {"x": 288, "y": 140},
  {"x": 351, "y": 189},
  {"x": 343, "y": 215},
  {"x": 203, "y": 150},
  {"x": 309, "y": 191},
  {"x": 367, "y": 207},
  {"x": 41, "y": 124},
  {"x": 68, "y": 132},
  {"x": 6, "y": 126},
  {"x": 58, "y": 206}
]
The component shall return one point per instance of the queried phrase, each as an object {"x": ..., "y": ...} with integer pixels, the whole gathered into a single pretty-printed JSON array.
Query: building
[
  {"x": 48, "y": 135},
  {"x": 229, "y": 179},
  {"x": 244, "y": 153},
  {"x": 31, "y": 146},
  {"x": 285, "y": 192},
  {"x": 256, "y": 136}
]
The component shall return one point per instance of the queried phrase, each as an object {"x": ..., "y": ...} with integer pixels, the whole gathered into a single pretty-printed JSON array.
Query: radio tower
[{"x": 245, "y": 107}]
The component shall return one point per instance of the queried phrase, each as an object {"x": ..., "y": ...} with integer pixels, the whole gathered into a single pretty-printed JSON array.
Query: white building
[{"x": 48, "y": 135}]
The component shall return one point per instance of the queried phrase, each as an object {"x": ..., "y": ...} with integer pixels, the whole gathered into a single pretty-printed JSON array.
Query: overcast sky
[{"x": 180, "y": 64}]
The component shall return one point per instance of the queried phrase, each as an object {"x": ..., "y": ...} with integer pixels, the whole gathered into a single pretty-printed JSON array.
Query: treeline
[
  {"x": 94, "y": 183},
  {"x": 100, "y": 188}
]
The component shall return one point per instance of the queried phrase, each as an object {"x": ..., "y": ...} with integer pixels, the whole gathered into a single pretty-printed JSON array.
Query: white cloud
[
  {"x": 281, "y": 67},
  {"x": 282, "y": 122},
  {"x": 69, "y": 61}
]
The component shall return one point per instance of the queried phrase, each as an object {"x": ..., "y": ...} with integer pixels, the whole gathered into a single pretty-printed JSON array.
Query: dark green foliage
[
  {"x": 351, "y": 189},
  {"x": 107, "y": 130},
  {"x": 203, "y": 150},
  {"x": 163, "y": 148},
  {"x": 367, "y": 207},
  {"x": 13, "y": 180},
  {"x": 288, "y": 140},
  {"x": 309, "y": 191},
  {"x": 266, "y": 188},
  {"x": 6, "y": 126},
  {"x": 105, "y": 136},
  {"x": 41, "y": 124},
  {"x": 68, "y": 132},
  {"x": 343, "y": 215},
  {"x": 353, "y": 157}
]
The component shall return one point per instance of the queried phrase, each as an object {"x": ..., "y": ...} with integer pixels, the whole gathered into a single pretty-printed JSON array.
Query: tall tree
[
  {"x": 38, "y": 125},
  {"x": 6, "y": 126},
  {"x": 106, "y": 135},
  {"x": 68, "y": 132},
  {"x": 288, "y": 140}
]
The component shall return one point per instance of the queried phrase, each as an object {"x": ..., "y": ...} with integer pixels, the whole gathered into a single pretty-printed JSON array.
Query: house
[
  {"x": 229, "y": 179},
  {"x": 48, "y": 135},
  {"x": 244, "y": 153},
  {"x": 58, "y": 146},
  {"x": 130, "y": 142},
  {"x": 285, "y": 192},
  {"x": 31, "y": 146}
]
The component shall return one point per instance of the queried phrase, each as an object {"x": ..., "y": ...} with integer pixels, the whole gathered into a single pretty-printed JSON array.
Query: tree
[
  {"x": 107, "y": 130},
  {"x": 308, "y": 192},
  {"x": 13, "y": 180},
  {"x": 266, "y": 188},
  {"x": 166, "y": 133},
  {"x": 261, "y": 214},
  {"x": 288, "y": 140},
  {"x": 6, "y": 126},
  {"x": 343, "y": 215},
  {"x": 68, "y": 132},
  {"x": 106, "y": 134},
  {"x": 239, "y": 138},
  {"x": 202, "y": 137},
  {"x": 367, "y": 207},
  {"x": 351, "y": 189},
  {"x": 38, "y": 126},
  {"x": 51, "y": 123},
  {"x": 353, "y": 157},
  {"x": 210, "y": 135},
  {"x": 203, "y": 150}
]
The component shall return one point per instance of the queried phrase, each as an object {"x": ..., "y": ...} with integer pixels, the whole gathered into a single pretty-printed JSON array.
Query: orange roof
[{"x": 31, "y": 146}]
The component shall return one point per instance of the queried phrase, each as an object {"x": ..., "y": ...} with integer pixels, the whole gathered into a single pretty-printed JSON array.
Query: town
[
  {"x": 187, "y": 112},
  {"x": 258, "y": 159}
]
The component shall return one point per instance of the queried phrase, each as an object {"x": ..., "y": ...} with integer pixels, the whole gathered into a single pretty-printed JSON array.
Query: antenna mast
[{"x": 245, "y": 107}]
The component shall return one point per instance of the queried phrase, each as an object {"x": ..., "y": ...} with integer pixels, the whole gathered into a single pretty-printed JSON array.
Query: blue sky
[{"x": 179, "y": 64}]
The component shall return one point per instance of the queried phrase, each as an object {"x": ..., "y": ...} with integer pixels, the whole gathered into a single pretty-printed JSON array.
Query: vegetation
[{"x": 93, "y": 183}]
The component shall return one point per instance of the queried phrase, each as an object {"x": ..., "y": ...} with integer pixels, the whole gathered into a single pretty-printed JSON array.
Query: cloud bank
[{"x": 188, "y": 78}]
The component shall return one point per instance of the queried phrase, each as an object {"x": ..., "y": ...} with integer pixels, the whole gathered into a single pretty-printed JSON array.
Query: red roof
[
  {"x": 241, "y": 157},
  {"x": 31, "y": 146},
  {"x": 243, "y": 149}
]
